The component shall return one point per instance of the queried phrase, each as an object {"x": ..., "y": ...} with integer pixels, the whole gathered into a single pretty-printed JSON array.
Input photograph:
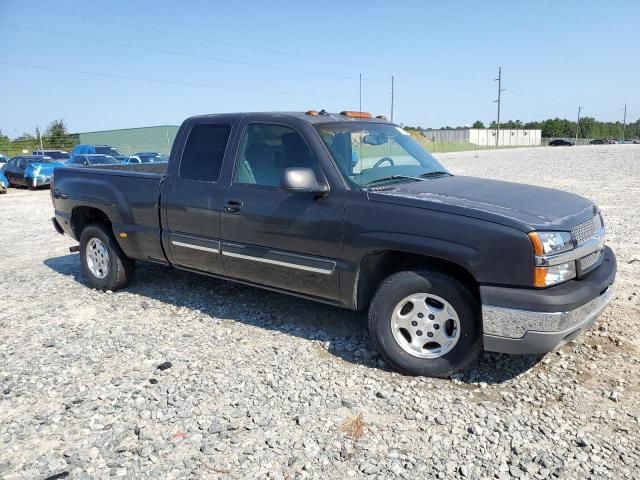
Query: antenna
[{"x": 360, "y": 110}]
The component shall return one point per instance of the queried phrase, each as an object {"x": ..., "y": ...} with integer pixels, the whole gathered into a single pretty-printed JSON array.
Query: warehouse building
[
  {"x": 486, "y": 137},
  {"x": 132, "y": 140}
]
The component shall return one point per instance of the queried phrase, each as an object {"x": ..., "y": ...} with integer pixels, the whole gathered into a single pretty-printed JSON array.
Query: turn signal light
[
  {"x": 354, "y": 114},
  {"x": 537, "y": 244}
]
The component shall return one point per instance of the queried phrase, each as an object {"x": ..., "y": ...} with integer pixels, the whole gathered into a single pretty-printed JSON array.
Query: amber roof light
[
  {"x": 354, "y": 114},
  {"x": 313, "y": 113}
]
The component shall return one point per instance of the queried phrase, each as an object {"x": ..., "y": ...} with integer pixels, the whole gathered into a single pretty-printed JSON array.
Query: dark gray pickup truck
[{"x": 349, "y": 210}]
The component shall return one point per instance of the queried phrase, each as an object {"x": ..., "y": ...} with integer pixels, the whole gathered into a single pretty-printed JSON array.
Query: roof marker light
[{"x": 354, "y": 114}]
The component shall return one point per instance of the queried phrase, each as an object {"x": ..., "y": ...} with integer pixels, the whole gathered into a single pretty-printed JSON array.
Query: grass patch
[{"x": 354, "y": 427}]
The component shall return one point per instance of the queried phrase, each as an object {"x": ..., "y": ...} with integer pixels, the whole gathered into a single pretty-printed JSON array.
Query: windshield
[
  {"x": 107, "y": 151},
  {"x": 41, "y": 160},
  {"x": 101, "y": 159},
  {"x": 369, "y": 153}
]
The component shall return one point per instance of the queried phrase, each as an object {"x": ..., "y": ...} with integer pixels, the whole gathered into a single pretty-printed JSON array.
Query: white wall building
[{"x": 486, "y": 136}]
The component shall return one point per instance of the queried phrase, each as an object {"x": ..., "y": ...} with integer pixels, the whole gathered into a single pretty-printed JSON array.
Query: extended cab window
[
  {"x": 267, "y": 150},
  {"x": 204, "y": 152}
]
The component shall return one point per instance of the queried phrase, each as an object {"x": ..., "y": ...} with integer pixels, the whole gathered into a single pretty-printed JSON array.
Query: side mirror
[{"x": 301, "y": 180}]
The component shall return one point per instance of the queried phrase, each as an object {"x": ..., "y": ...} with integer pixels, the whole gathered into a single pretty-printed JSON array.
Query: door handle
[{"x": 233, "y": 206}]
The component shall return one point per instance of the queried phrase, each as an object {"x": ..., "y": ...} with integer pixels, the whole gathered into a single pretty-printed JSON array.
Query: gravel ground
[{"x": 260, "y": 385}]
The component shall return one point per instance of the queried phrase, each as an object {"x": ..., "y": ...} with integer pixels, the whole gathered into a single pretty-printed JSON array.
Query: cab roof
[{"x": 320, "y": 117}]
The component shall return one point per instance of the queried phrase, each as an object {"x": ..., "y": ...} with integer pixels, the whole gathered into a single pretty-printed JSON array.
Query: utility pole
[
  {"x": 391, "y": 98},
  {"x": 624, "y": 122},
  {"x": 578, "y": 124},
  {"x": 500, "y": 90},
  {"x": 360, "y": 93},
  {"x": 39, "y": 137}
]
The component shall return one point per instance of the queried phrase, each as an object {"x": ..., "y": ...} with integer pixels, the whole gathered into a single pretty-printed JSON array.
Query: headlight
[
  {"x": 546, "y": 244},
  {"x": 554, "y": 242},
  {"x": 548, "y": 276}
]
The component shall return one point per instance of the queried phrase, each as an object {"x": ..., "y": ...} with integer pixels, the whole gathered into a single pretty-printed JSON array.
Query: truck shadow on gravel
[{"x": 344, "y": 331}]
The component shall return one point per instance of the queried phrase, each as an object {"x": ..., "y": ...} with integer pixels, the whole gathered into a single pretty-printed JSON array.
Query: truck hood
[{"x": 517, "y": 205}]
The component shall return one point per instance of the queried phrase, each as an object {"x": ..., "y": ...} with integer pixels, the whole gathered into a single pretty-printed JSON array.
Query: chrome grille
[
  {"x": 586, "y": 230},
  {"x": 589, "y": 261}
]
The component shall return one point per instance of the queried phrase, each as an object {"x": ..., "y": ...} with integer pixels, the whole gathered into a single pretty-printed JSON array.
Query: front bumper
[
  {"x": 524, "y": 321},
  {"x": 37, "y": 181}
]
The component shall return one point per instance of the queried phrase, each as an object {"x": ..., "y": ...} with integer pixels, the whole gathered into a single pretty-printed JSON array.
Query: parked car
[
  {"x": 31, "y": 170},
  {"x": 446, "y": 265},
  {"x": 59, "y": 155},
  {"x": 111, "y": 151},
  {"x": 560, "y": 143},
  {"x": 598, "y": 142},
  {"x": 4, "y": 182},
  {"x": 3, "y": 161},
  {"x": 147, "y": 157},
  {"x": 91, "y": 159},
  {"x": 99, "y": 150}
]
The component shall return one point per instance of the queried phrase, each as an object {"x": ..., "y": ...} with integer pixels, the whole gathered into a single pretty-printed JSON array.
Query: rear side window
[{"x": 204, "y": 152}]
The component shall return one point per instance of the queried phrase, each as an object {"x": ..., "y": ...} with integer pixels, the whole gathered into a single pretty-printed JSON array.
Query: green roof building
[{"x": 133, "y": 140}]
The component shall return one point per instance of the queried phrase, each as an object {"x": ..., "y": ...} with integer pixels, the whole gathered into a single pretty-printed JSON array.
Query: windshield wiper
[
  {"x": 392, "y": 177},
  {"x": 436, "y": 173}
]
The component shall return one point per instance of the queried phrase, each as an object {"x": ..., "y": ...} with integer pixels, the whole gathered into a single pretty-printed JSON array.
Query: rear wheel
[
  {"x": 425, "y": 323},
  {"x": 104, "y": 264}
]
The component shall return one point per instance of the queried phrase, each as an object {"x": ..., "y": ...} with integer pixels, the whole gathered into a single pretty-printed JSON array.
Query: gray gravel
[{"x": 260, "y": 385}]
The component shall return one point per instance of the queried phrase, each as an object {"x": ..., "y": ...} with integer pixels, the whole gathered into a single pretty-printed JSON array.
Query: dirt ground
[{"x": 266, "y": 386}]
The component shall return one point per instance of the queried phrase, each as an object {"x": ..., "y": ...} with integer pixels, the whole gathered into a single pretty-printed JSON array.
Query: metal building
[
  {"x": 486, "y": 136},
  {"x": 132, "y": 140}
]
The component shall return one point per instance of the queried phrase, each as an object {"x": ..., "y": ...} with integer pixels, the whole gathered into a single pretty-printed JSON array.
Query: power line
[
  {"x": 175, "y": 82},
  {"x": 139, "y": 27},
  {"x": 226, "y": 60},
  {"x": 181, "y": 53}
]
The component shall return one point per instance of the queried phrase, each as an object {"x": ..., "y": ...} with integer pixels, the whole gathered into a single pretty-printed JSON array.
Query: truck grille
[
  {"x": 586, "y": 230},
  {"x": 585, "y": 263}
]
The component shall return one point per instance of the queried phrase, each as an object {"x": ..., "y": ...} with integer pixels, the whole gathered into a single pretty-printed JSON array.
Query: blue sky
[{"x": 193, "y": 57}]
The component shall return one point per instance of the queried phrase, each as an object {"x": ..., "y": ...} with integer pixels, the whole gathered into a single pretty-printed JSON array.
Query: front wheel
[
  {"x": 425, "y": 323},
  {"x": 104, "y": 264}
]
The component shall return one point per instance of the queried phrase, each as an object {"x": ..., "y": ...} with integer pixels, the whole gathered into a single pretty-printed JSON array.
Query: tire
[
  {"x": 459, "y": 346},
  {"x": 97, "y": 243}
]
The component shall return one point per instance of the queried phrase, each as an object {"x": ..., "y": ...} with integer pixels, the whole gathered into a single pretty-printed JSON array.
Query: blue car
[
  {"x": 148, "y": 157},
  {"x": 4, "y": 183},
  {"x": 30, "y": 170},
  {"x": 99, "y": 150}
]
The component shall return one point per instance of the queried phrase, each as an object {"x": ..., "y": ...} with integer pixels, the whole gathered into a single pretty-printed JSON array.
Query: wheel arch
[
  {"x": 81, "y": 216},
  {"x": 377, "y": 266}
]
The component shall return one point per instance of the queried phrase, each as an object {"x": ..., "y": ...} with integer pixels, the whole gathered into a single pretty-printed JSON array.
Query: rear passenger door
[
  {"x": 290, "y": 241},
  {"x": 193, "y": 199}
]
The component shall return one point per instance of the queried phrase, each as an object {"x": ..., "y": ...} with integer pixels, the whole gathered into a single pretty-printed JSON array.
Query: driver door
[{"x": 290, "y": 241}]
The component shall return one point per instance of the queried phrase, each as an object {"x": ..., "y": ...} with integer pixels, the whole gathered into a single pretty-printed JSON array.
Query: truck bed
[{"x": 127, "y": 194}]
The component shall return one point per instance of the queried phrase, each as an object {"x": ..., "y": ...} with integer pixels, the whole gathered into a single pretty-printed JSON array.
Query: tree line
[
  {"x": 561, "y": 127},
  {"x": 56, "y": 136}
]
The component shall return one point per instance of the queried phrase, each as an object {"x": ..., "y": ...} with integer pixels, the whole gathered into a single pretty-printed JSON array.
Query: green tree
[
  {"x": 57, "y": 135},
  {"x": 477, "y": 124}
]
